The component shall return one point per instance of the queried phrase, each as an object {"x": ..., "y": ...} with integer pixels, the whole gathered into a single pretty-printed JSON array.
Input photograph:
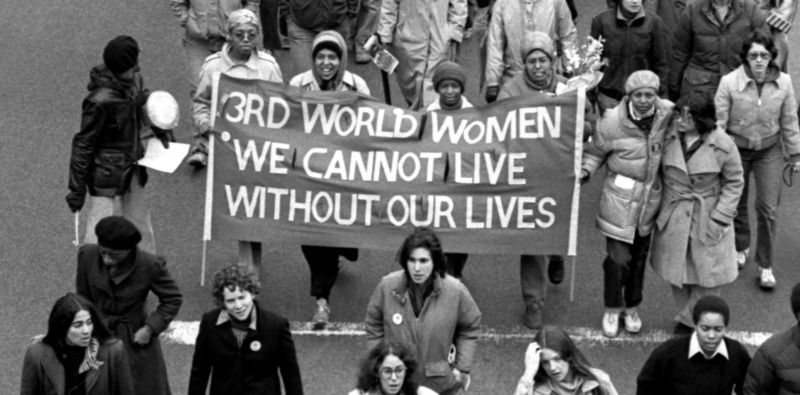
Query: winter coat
[
  {"x": 43, "y": 373},
  {"x": 105, "y": 150},
  {"x": 204, "y": 20},
  {"x": 632, "y": 185},
  {"x": 640, "y": 44},
  {"x": 703, "y": 49},
  {"x": 775, "y": 368},
  {"x": 260, "y": 66},
  {"x": 319, "y": 15},
  {"x": 251, "y": 369},
  {"x": 696, "y": 195},
  {"x": 521, "y": 86},
  {"x": 422, "y": 34},
  {"x": 123, "y": 306},
  {"x": 420, "y": 391},
  {"x": 510, "y": 21},
  {"x": 344, "y": 80},
  {"x": 448, "y": 317},
  {"x": 589, "y": 387},
  {"x": 759, "y": 122}
]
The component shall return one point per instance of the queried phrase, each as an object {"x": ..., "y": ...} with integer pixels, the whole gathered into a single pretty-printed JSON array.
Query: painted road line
[{"x": 182, "y": 332}]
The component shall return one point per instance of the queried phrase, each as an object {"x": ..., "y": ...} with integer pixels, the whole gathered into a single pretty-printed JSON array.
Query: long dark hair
[
  {"x": 62, "y": 315},
  {"x": 369, "y": 376},
  {"x": 427, "y": 239},
  {"x": 555, "y": 339}
]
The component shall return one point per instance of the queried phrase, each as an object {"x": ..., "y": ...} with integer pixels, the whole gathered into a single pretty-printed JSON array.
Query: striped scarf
[{"x": 90, "y": 360}]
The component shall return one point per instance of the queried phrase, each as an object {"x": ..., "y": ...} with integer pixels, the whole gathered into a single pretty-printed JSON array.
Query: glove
[
  {"x": 75, "y": 201},
  {"x": 491, "y": 93},
  {"x": 584, "y": 176},
  {"x": 163, "y": 135},
  {"x": 373, "y": 44},
  {"x": 141, "y": 99}
]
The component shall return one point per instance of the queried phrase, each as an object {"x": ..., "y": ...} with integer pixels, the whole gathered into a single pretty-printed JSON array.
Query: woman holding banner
[
  {"x": 424, "y": 307},
  {"x": 702, "y": 176},
  {"x": 328, "y": 73}
]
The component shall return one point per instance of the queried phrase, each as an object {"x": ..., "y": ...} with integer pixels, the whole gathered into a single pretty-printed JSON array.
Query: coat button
[{"x": 688, "y": 214}]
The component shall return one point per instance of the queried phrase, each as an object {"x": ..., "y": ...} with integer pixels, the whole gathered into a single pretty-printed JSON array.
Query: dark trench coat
[{"x": 123, "y": 306}]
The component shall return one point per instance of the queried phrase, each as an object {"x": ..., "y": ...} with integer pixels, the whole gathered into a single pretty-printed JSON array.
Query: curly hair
[
  {"x": 701, "y": 109},
  {"x": 233, "y": 276},
  {"x": 427, "y": 239},
  {"x": 62, "y": 315},
  {"x": 369, "y": 377}
]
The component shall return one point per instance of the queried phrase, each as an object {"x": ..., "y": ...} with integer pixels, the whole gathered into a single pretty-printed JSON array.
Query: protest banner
[{"x": 341, "y": 169}]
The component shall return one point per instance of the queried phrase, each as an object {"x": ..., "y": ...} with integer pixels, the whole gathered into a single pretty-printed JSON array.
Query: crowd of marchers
[{"x": 695, "y": 99}]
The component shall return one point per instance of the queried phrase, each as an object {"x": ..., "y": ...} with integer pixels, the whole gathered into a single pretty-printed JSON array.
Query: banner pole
[
  {"x": 77, "y": 241},
  {"x": 572, "y": 260},
  {"x": 203, "y": 265},
  {"x": 576, "y": 191}
]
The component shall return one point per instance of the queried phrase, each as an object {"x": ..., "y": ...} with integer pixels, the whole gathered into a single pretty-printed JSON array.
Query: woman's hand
[
  {"x": 532, "y": 359},
  {"x": 462, "y": 378},
  {"x": 142, "y": 336},
  {"x": 796, "y": 167}
]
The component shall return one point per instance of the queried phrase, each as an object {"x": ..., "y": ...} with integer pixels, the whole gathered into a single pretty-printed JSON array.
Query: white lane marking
[{"x": 182, "y": 332}]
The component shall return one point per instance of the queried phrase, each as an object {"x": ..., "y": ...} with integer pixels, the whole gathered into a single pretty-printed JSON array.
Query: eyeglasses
[
  {"x": 686, "y": 117},
  {"x": 245, "y": 35},
  {"x": 759, "y": 55},
  {"x": 399, "y": 371}
]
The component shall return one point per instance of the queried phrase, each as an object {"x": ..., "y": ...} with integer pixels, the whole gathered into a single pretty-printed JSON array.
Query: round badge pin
[
  {"x": 255, "y": 346},
  {"x": 397, "y": 319}
]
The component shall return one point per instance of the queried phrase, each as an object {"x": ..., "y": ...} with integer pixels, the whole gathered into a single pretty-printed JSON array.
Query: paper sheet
[{"x": 159, "y": 158}]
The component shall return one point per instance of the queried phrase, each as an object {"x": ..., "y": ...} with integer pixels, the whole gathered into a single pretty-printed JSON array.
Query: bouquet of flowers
[{"x": 584, "y": 69}]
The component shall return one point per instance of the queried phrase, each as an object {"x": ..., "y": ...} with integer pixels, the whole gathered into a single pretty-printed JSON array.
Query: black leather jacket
[{"x": 105, "y": 150}]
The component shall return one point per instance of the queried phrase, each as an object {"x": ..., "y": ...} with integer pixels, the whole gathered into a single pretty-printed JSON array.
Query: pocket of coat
[
  {"x": 714, "y": 232},
  {"x": 440, "y": 376},
  {"x": 109, "y": 169},
  {"x": 697, "y": 77}
]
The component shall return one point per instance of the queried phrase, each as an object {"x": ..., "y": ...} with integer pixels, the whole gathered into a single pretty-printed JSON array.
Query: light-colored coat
[
  {"x": 423, "y": 33},
  {"x": 350, "y": 82},
  {"x": 509, "y": 25},
  {"x": 755, "y": 119},
  {"x": 632, "y": 154},
  {"x": 449, "y": 316},
  {"x": 696, "y": 194}
]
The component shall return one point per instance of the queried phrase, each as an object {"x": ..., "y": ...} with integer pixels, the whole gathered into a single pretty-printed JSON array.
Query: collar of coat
[
  {"x": 621, "y": 17},
  {"x": 708, "y": 9},
  {"x": 400, "y": 290},
  {"x": 251, "y": 63},
  {"x": 224, "y": 317},
  {"x": 663, "y": 110},
  {"x": 742, "y": 79},
  {"x": 55, "y": 369},
  {"x": 307, "y": 79},
  {"x": 714, "y": 139}
]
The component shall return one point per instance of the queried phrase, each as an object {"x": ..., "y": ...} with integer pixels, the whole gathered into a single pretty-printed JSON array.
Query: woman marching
[
  {"x": 434, "y": 312},
  {"x": 756, "y": 106},
  {"x": 702, "y": 179},
  {"x": 389, "y": 370},
  {"x": 328, "y": 73},
  {"x": 77, "y": 355},
  {"x": 554, "y": 365}
]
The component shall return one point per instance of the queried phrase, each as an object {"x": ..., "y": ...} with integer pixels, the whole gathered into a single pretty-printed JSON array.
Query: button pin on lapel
[
  {"x": 397, "y": 319},
  {"x": 255, "y": 345}
]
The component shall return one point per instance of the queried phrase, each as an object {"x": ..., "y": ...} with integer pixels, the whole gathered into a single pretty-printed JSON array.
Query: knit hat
[
  {"x": 326, "y": 41},
  {"x": 121, "y": 54},
  {"x": 796, "y": 299},
  {"x": 239, "y": 17},
  {"x": 538, "y": 41},
  {"x": 117, "y": 233},
  {"x": 641, "y": 79},
  {"x": 449, "y": 71},
  {"x": 711, "y": 304}
]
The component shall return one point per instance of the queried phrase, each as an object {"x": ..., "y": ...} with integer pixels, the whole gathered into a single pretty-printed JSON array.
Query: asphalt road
[{"x": 45, "y": 56}]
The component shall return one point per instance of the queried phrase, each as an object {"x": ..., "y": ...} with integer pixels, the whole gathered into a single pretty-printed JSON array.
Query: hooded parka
[
  {"x": 423, "y": 33},
  {"x": 689, "y": 246},
  {"x": 632, "y": 185},
  {"x": 448, "y": 317}
]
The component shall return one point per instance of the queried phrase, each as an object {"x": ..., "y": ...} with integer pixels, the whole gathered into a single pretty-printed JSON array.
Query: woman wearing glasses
[
  {"x": 756, "y": 106},
  {"x": 702, "y": 181},
  {"x": 389, "y": 370},
  {"x": 430, "y": 311}
]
